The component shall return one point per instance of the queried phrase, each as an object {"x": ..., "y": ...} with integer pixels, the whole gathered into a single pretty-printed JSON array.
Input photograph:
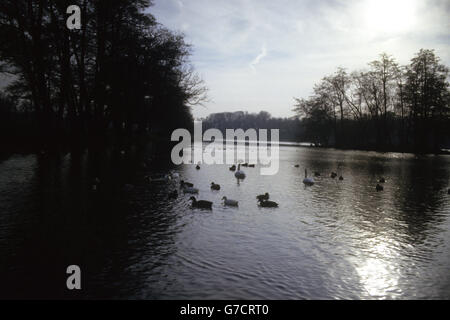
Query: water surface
[{"x": 335, "y": 240}]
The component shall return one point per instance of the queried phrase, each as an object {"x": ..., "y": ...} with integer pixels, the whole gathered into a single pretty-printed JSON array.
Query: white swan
[
  {"x": 239, "y": 174},
  {"x": 308, "y": 181}
]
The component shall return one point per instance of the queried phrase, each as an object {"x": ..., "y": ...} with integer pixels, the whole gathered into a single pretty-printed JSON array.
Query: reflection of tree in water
[
  {"x": 424, "y": 183},
  {"x": 61, "y": 221},
  {"x": 414, "y": 192}
]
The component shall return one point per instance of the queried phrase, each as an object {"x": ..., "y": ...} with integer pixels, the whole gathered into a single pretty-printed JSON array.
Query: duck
[
  {"x": 251, "y": 165},
  {"x": 245, "y": 164},
  {"x": 230, "y": 202},
  {"x": 379, "y": 187},
  {"x": 333, "y": 175},
  {"x": 239, "y": 174},
  {"x": 297, "y": 166},
  {"x": 202, "y": 204},
  {"x": 197, "y": 167},
  {"x": 262, "y": 197},
  {"x": 186, "y": 184},
  {"x": 341, "y": 178},
  {"x": 316, "y": 174},
  {"x": 173, "y": 194},
  {"x": 308, "y": 181},
  {"x": 268, "y": 204},
  {"x": 382, "y": 180},
  {"x": 233, "y": 167},
  {"x": 215, "y": 186}
]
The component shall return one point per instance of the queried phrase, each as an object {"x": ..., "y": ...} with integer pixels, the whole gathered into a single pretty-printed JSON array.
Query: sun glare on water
[{"x": 389, "y": 16}]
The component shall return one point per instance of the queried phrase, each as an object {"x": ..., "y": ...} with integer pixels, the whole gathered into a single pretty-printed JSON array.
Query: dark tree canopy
[
  {"x": 388, "y": 107},
  {"x": 122, "y": 70}
]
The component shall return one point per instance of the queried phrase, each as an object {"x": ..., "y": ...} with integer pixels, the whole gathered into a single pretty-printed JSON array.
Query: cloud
[
  {"x": 258, "y": 58},
  {"x": 307, "y": 39}
]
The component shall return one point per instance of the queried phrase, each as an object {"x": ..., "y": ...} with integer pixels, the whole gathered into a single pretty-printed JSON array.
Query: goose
[
  {"x": 173, "y": 194},
  {"x": 333, "y": 175},
  {"x": 186, "y": 184},
  {"x": 239, "y": 174},
  {"x": 379, "y": 187},
  {"x": 202, "y": 204},
  {"x": 268, "y": 204},
  {"x": 215, "y": 186},
  {"x": 382, "y": 180},
  {"x": 190, "y": 190},
  {"x": 262, "y": 197},
  {"x": 229, "y": 202},
  {"x": 233, "y": 167},
  {"x": 308, "y": 181}
]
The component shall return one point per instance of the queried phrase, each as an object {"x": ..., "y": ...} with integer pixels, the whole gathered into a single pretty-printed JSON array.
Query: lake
[{"x": 334, "y": 240}]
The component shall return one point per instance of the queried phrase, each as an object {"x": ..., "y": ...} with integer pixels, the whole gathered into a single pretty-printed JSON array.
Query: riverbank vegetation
[
  {"x": 386, "y": 107},
  {"x": 121, "y": 75}
]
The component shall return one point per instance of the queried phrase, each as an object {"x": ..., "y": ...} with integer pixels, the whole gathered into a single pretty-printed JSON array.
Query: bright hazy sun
[{"x": 389, "y": 16}]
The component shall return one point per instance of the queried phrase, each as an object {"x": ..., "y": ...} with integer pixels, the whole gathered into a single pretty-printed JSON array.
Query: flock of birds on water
[
  {"x": 262, "y": 199},
  {"x": 188, "y": 188}
]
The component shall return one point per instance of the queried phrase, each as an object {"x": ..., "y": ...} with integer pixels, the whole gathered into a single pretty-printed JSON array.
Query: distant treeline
[
  {"x": 387, "y": 107},
  {"x": 121, "y": 73},
  {"x": 290, "y": 128}
]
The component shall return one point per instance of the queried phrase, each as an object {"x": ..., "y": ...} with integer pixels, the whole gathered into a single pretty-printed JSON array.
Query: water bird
[
  {"x": 251, "y": 165},
  {"x": 382, "y": 180},
  {"x": 268, "y": 204},
  {"x": 448, "y": 191},
  {"x": 230, "y": 202},
  {"x": 239, "y": 174},
  {"x": 341, "y": 178},
  {"x": 297, "y": 166},
  {"x": 262, "y": 197},
  {"x": 308, "y": 181},
  {"x": 379, "y": 187},
  {"x": 186, "y": 184},
  {"x": 316, "y": 174},
  {"x": 197, "y": 167},
  {"x": 245, "y": 164},
  {"x": 233, "y": 167},
  {"x": 333, "y": 175},
  {"x": 202, "y": 204},
  {"x": 215, "y": 186}
]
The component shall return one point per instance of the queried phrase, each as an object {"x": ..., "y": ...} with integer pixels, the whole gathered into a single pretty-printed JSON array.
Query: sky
[{"x": 258, "y": 54}]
